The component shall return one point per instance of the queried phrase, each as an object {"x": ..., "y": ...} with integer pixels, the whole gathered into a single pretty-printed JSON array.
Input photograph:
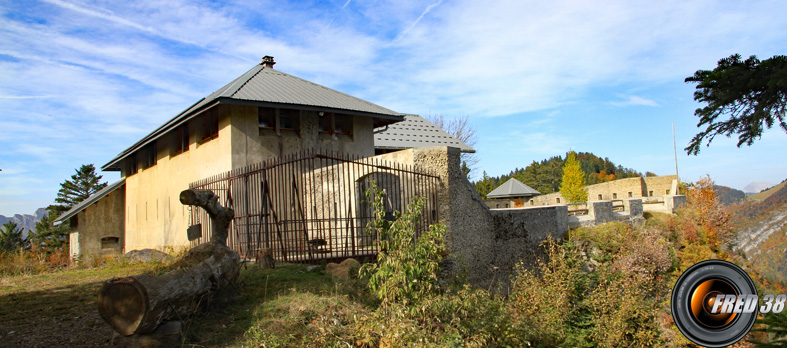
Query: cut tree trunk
[{"x": 139, "y": 303}]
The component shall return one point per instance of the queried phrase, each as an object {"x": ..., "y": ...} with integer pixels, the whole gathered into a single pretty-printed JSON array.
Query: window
[
  {"x": 532, "y": 202},
  {"x": 344, "y": 124},
  {"x": 149, "y": 155},
  {"x": 133, "y": 164},
  {"x": 667, "y": 192},
  {"x": 110, "y": 243},
  {"x": 331, "y": 123},
  {"x": 288, "y": 119},
  {"x": 326, "y": 122},
  {"x": 497, "y": 205},
  {"x": 181, "y": 139},
  {"x": 557, "y": 200},
  {"x": 506, "y": 205},
  {"x": 600, "y": 197},
  {"x": 650, "y": 193},
  {"x": 266, "y": 118},
  {"x": 631, "y": 195},
  {"x": 211, "y": 124},
  {"x": 274, "y": 119},
  {"x": 614, "y": 196}
]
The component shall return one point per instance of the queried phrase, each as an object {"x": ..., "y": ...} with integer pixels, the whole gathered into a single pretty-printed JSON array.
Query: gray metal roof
[
  {"x": 264, "y": 86},
  {"x": 90, "y": 200},
  {"x": 415, "y": 131},
  {"x": 512, "y": 188}
]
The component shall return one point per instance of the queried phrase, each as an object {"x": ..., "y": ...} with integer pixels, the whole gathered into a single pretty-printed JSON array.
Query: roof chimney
[{"x": 268, "y": 62}]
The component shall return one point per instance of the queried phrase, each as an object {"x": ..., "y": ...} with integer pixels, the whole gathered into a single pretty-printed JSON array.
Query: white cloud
[{"x": 634, "y": 101}]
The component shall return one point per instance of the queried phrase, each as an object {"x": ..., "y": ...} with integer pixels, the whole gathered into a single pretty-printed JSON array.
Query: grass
[
  {"x": 57, "y": 308},
  {"x": 280, "y": 307},
  {"x": 288, "y": 305},
  {"x": 759, "y": 197}
]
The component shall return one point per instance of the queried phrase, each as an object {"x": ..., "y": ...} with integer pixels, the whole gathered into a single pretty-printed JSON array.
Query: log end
[{"x": 122, "y": 303}]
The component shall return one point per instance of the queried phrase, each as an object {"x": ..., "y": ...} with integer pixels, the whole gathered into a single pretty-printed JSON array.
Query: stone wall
[
  {"x": 485, "y": 244},
  {"x": 659, "y": 185}
]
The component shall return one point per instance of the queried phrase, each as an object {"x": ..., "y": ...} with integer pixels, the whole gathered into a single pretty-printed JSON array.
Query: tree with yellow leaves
[{"x": 573, "y": 185}]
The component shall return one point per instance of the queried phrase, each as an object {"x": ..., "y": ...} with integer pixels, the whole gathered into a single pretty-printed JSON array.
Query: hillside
[
  {"x": 545, "y": 176},
  {"x": 762, "y": 232},
  {"x": 27, "y": 222},
  {"x": 758, "y": 197},
  {"x": 729, "y": 195}
]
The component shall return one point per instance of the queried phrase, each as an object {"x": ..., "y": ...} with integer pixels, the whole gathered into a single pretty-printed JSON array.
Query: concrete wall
[
  {"x": 250, "y": 144},
  {"x": 103, "y": 219}
]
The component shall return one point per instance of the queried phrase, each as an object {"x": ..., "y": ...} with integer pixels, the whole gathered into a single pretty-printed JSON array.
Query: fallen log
[{"x": 138, "y": 304}]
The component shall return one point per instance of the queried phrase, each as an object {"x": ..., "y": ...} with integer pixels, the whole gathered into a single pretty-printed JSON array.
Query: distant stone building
[
  {"x": 637, "y": 187},
  {"x": 511, "y": 194}
]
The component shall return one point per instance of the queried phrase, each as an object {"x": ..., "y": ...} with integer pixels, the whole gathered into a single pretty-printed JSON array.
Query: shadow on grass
[
  {"x": 59, "y": 316},
  {"x": 265, "y": 298}
]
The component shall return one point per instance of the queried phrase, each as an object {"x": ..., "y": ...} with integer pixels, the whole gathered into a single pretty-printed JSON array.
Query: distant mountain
[
  {"x": 26, "y": 221},
  {"x": 762, "y": 233},
  {"x": 757, "y": 186},
  {"x": 729, "y": 195}
]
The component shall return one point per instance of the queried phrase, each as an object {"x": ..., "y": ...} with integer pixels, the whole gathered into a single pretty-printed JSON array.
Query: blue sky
[{"x": 80, "y": 81}]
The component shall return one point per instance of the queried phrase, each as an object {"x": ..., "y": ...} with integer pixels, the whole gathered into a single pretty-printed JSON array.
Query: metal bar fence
[{"x": 312, "y": 206}]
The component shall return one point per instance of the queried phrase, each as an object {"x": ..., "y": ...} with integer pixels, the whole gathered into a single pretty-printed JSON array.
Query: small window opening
[
  {"x": 266, "y": 117},
  {"x": 614, "y": 196},
  {"x": 288, "y": 119}
]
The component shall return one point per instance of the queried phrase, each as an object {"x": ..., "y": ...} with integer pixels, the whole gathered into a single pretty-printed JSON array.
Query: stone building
[
  {"x": 511, "y": 194},
  {"x": 636, "y": 187}
]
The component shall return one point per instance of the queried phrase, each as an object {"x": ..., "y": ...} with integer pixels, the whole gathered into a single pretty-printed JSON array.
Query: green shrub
[{"x": 407, "y": 265}]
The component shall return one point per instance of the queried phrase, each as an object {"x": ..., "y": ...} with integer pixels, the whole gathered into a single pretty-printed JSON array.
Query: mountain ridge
[{"x": 26, "y": 221}]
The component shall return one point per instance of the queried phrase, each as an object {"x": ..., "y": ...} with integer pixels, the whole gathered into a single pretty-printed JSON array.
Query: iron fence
[{"x": 312, "y": 206}]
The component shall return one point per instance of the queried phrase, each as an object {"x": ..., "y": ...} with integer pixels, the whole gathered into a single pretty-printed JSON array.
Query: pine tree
[
  {"x": 47, "y": 235},
  {"x": 572, "y": 186},
  {"x": 11, "y": 237},
  {"x": 82, "y": 184}
]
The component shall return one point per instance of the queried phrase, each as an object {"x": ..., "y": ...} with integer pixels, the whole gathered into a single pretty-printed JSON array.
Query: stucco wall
[
  {"x": 101, "y": 219},
  {"x": 155, "y": 218}
]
